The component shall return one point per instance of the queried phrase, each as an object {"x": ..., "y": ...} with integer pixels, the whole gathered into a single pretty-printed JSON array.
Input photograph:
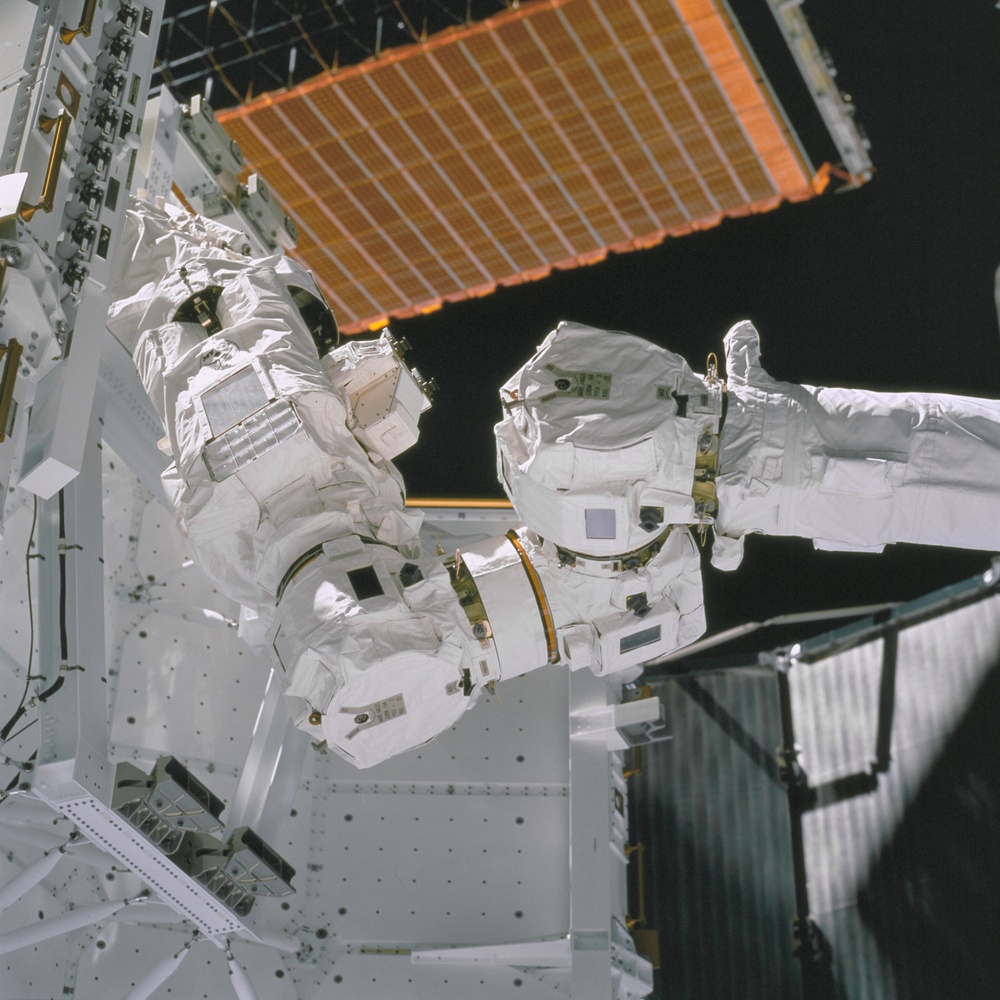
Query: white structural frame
[
  {"x": 592, "y": 958},
  {"x": 819, "y": 74}
]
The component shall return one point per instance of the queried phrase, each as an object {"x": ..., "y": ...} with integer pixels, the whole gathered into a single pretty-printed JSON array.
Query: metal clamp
[
  {"x": 548, "y": 623},
  {"x": 706, "y": 462},
  {"x": 464, "y": 585},
  {"x": 633, "y": 560}
]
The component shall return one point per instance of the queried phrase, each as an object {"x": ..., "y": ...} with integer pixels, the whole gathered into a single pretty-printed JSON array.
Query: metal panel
[
  {"x": 177, "y": 692},
  {"x": 714, "y": 818},
  {"x": 375, "y": 977},
  {"x": 941, "y": 667},
  {"x": 438, "y": 866},
  {"x": 837, "y": 732},
  {"x": 462, "y": 842}
]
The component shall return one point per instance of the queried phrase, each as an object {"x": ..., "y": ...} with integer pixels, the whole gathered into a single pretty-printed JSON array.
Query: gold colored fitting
[
  {"x": 67, "y": 34},
  {"x": 60, "y": 124}
]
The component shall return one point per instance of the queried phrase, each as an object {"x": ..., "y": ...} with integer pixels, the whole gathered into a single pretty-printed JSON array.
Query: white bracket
[{"x": 603, "y": 722}]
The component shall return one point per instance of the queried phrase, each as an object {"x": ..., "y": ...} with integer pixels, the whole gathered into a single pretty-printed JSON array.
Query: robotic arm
[
  {"x": 281, "y": 477},
  {"x": 610, "y": 449}
]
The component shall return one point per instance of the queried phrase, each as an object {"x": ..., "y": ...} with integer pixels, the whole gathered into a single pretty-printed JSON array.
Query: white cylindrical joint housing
[
  {"x": 598, "y": 447},
  {"x": 518, "y": 620},
  {"x": 377, "y": 655},
  {"x": 614, "y": 614}
]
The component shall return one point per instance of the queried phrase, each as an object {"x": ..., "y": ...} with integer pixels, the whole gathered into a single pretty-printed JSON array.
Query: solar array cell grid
[
  {"x": 423, "y": 79},
  {"x": 520, "y": 45},
  {"x": 365, "y": 102},
  {"x": 659, "y": 18},
  {"x": 622, "y": 19},
  {"x": 588, "y": 23},
  {"x": 454, "y": 61},
  {"x": 540, "y": 138},
  {"x": 619, "y": 74},
  {"x": 692, "y": 193},
  {"x": 483, "y": 63},
  {"x": 703, "y": 90},
  {"x": 666, "y": 105},
  {"x": 685, "y": 58}
]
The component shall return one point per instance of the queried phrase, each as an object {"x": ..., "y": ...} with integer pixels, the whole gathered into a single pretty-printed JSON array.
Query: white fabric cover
[
  {"x": 851, "y": 468},
  {"x": 397, "y": 657},
  {"x": 618, "y": 443},
  {"x": 599, "y": 426},
  {"x": 562, "y": 454},
  {"x": 248, "y": 528},
  {"x": 590, "y": 598}
]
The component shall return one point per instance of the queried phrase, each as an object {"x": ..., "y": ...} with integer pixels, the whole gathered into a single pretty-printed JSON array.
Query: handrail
[
  {"x": 61, "y": 125},
  {"x": 639, "y": 849},
  {"x": 12, "y": 352},
  {"x": 67, "y": 34}
]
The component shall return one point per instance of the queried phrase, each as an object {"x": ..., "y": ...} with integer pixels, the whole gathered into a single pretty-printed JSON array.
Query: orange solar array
[{"x": 543, "y": 137}]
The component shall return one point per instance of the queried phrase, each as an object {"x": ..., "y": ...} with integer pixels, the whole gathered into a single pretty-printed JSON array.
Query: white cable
[
  {"x": 85, "y": 853},
  {"x": 276, "y": 939},
  {"x": 30, "y": 877},
  {"x": 25, "y": 833},
  {"x": 72, "y": 920},
  {"x": 159, "y": 974},
  {"x": 240, "y": 980}
]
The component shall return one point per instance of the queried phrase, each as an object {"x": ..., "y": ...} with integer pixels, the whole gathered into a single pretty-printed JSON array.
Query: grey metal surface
[
  {"x": 900, "y": 859},
  {"x": 466, "y": 841},
  {"x": 872, "y": 856},
  {"x": 715, "y": 818}
]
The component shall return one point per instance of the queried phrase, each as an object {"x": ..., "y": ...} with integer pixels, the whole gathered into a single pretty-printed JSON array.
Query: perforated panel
[
  {"x": 464, "y": 841},
  {"x": 449, "y": 866},
  {"x": 180, "y": 685},
  {"x": 111, "y": 833},
  {"x": 184, "y": 683},
  {"x": 376, "y": 977}
]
